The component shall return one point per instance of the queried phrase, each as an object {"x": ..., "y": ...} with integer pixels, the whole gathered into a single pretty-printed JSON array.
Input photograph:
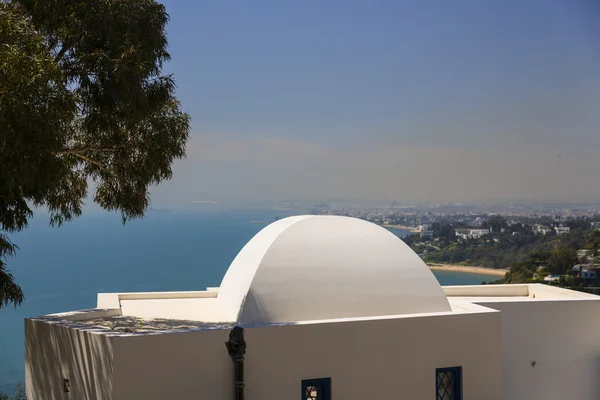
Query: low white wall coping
[
  {"x": 518, "y": 292},
  {"x": 487, "y": 291},
  {"x": 167, "y": 295},
  {"x": 156, "y": 295}
]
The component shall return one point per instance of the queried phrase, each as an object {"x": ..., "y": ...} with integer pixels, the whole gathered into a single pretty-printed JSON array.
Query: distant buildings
[
  {"x": 595, "y": 225},
  {"x": 426, "y": 235},
  {"x": 590, "y": 273},
  {"x": 478, "y": 221},
  {"x": 561, "y": 230},
  {"x": 477, "y": 233},
  {"x": 471, "y": 233},
  {"x": 552, "y": 278},
  {"x": 541, "y": 229},
  {"x": 462, "y": 233},
  {"x": 582, "y": 253}
]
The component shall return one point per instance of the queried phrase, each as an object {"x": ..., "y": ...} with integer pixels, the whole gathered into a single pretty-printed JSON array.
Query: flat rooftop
[
  {"x": 128, "y": 324},
  {"x": 111, "y": 322},
  {"x": 120, "y": 320},
  {"x": 514, "y": 293}
]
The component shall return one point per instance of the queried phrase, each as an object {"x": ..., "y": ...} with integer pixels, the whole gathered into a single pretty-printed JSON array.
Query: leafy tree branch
[{"x": 82, "y": 97}]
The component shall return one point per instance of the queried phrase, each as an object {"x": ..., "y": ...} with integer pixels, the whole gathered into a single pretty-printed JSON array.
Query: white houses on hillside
[
  {"x": 561, "y": 230},
  {"x": 541, "y": 229},
  {"x": 582, "y": 253},
  {"x": 322, "y": 307},
  {"x": 471, "y": 233}
]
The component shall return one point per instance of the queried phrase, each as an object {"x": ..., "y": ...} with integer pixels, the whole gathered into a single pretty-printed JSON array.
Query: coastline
[
  {"x": 411, "y": 229},
  {"x": 468, "y": 268}
]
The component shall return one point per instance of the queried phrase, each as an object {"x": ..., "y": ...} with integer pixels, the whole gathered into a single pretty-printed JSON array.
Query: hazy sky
[{"x": 462, "y": 100}]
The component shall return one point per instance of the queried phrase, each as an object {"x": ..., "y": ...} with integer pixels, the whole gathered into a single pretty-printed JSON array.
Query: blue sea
[{"x": 63, "y": 269}]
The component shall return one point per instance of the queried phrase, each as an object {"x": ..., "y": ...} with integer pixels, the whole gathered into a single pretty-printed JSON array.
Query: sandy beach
[
  {"x": 467, "y": 268},
  {"x": 412, "y": 229}
]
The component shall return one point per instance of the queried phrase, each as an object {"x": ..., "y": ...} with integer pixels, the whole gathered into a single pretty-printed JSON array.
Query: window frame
[
  {"x": 325, "y": 383},
  {"x": 458, "y": 381}
]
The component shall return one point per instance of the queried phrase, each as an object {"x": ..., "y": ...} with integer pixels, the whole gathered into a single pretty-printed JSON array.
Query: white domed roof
[{"x": 324, "y": 267}]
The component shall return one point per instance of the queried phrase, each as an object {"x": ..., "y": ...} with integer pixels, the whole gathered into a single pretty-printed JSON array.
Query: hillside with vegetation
[{"x": 518, "y": 246}]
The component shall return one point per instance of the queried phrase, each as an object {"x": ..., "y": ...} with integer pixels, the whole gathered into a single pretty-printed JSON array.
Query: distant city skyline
[{"x": 427, "y": 101}]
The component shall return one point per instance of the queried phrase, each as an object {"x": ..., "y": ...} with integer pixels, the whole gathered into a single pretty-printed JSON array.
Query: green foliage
[
  {"x": 82, "y": 99},
  {"x": 572, "y": 281},
  {"x": 505, "y": 250},
  {"x": 519, "y": 273},
  {"x": 517, "y": 248},
  {"x": 443, "y": 230},
  {"x": 561, "y": 260},
  {"x": 19, "y": 394},
  {"x": 496, "y": 223},
  {"x": 594, "y": 243},
  {"x": 487, "y": 252},
  {"x": 582, "y": 224},
  {"x": 562, "y": 281}
]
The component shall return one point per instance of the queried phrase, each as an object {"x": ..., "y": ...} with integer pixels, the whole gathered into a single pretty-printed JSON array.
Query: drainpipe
[{"x": 236, "y": 347}]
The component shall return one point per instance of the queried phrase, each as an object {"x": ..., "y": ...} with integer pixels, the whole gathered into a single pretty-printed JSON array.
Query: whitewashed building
[
  {"x": 322, "y": 308},
  {"x": 471, "y": 233},
  {"x": 582, "y": 253},
  {"x": 541, "y": 229}
]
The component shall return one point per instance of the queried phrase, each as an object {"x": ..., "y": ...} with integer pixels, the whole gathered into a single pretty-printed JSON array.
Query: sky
[{"x": 417, "y": 101}]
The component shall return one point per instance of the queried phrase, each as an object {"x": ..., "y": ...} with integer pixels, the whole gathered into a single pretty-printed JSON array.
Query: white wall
[
  {"x": 54, "y": 352},
  {"x": 369, "y": 359},
  {"x": 562, "y": 337},
  {"x": 199, "y": 309},
  {"x": 181, "y": 366},
  {"x": 188, "y": 305},
  {"x": 376, "y": 359}
]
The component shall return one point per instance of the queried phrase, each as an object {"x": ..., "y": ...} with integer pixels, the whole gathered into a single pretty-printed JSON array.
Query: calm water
[{"x": 63, "y": 269}]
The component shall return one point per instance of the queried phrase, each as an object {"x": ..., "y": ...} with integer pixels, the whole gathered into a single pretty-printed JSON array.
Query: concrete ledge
[
  {"x": 167, "y": 295},
  {"x": 109, "y": 298},
  {"x": 487, "y": 291}
]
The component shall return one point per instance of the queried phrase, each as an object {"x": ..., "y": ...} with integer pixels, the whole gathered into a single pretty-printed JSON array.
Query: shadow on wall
[
  {"x": 140, "y": 326},
  {"x": 54, "y": 353},
  {"x": 129, "y": 366}
]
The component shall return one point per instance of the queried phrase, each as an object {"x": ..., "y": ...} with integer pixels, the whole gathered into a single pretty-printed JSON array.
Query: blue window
[
  {"x": 316, "y": 389},
  {"x": 448, "y": 383}
]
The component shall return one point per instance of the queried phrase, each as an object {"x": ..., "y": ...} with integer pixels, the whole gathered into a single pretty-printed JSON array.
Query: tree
[
  {"x": 594, "y": 242},
  {"x": 519, "y": 273},
  {"x": 579, "y": 223},
  {"x": 82, "y": 100},
  {"x": 19, "y": 394},
  {"x": 562, "y": 258},
  {"x": 496, "y": 223},
  {"x": 447, "y": 232}
]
